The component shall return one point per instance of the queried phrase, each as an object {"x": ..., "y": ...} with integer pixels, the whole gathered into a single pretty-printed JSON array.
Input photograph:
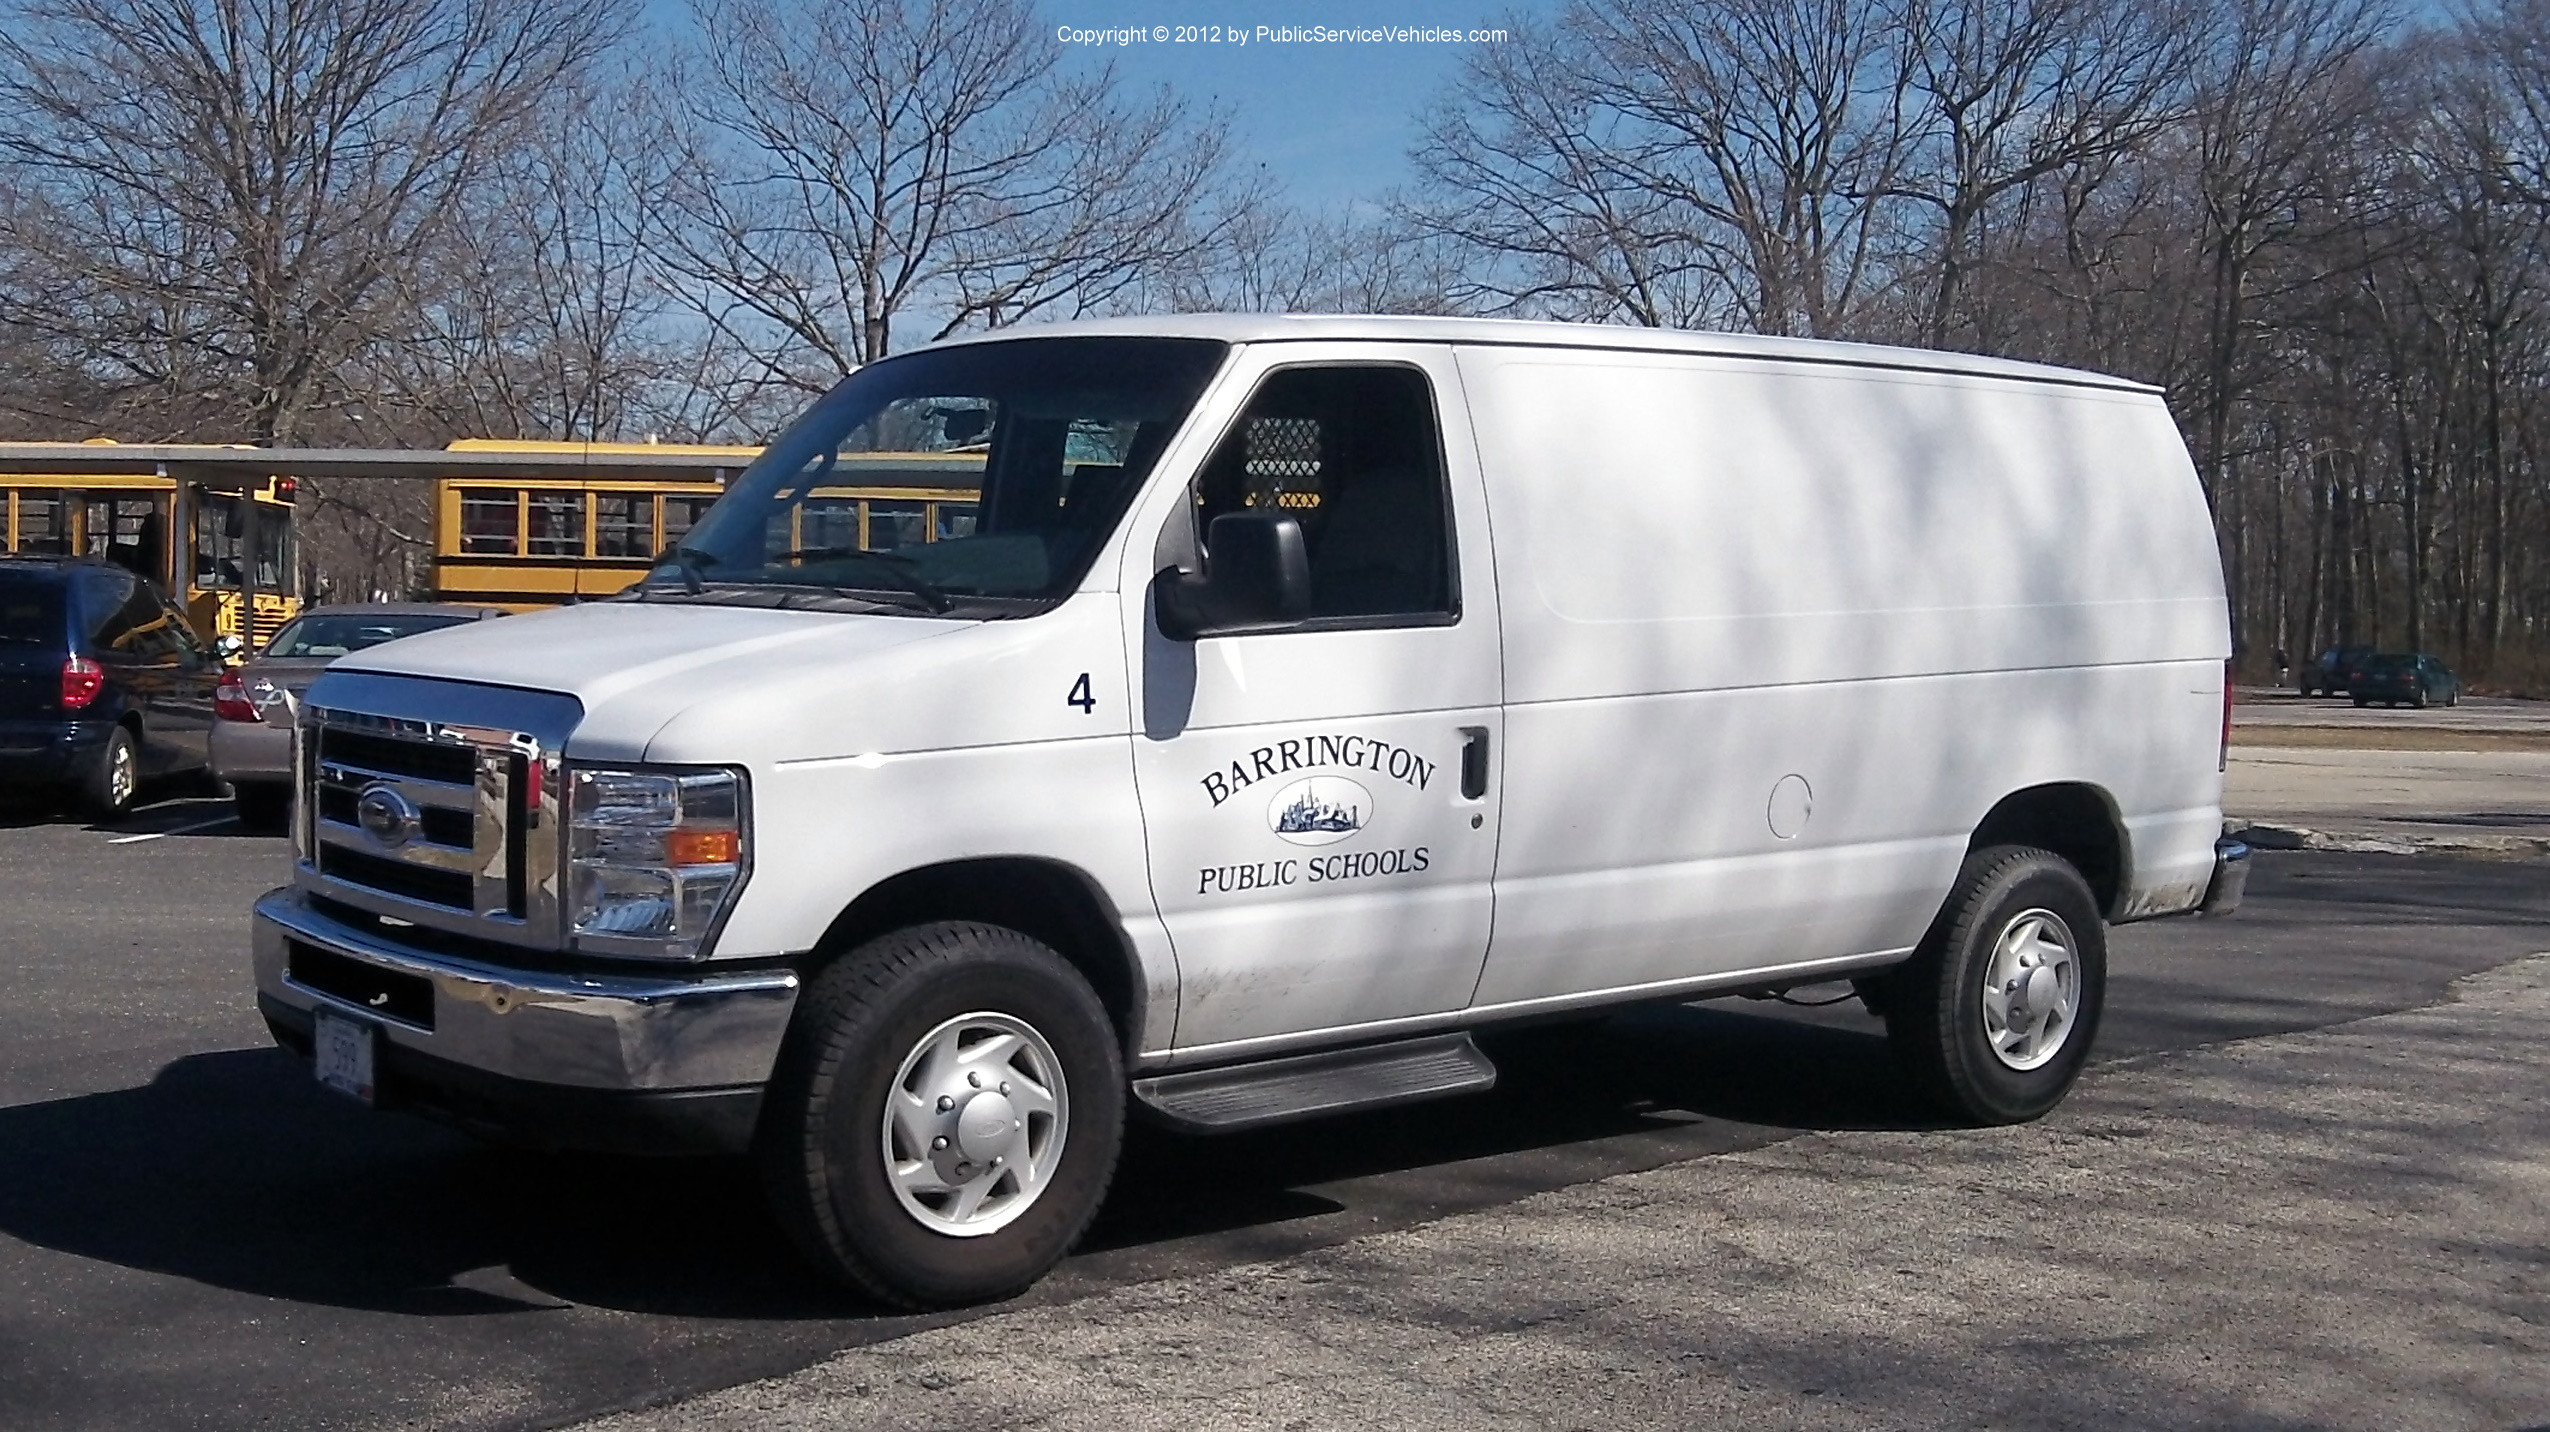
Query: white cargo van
[{"x": 1300, "y": 695}]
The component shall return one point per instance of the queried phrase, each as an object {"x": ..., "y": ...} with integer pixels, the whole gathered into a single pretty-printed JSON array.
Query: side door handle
[{"x": 1474, "y": 762}]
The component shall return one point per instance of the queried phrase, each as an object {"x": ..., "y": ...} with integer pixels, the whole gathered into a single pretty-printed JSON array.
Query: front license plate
[{"x": 344, "y": 1050}]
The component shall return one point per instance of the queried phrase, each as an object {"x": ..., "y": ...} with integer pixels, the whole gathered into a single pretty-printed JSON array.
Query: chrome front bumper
[
  {"x": 2231, "y": 878},
  {"x": 613, "y": 1033}
]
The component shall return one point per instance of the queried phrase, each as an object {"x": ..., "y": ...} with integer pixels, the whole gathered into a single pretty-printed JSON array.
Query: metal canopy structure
[{"x": 229, "y": 464}]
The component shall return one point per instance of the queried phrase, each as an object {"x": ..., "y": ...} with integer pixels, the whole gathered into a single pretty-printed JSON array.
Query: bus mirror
[{"x": 230, "y": 646}]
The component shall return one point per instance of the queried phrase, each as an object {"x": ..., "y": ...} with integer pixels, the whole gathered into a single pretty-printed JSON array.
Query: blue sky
[{"x": 1331, "y": 121}]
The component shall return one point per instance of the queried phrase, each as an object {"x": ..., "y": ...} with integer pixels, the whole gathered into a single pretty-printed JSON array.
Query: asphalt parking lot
[
  {"x": 192, "y": 1234},
  {"x": 2320, "y": 773},
  {"x": 2259, "y": 708}
]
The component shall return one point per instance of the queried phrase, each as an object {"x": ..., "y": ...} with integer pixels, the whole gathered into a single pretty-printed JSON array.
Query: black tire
[
  {"x": 1934, "y": 1003},
  {"x": 2453, "y": 697},
  {"x": 820, "y": 1150},
  {"x": 2418, "y": 702},
  {"x": 263, "y": 805},
  {"x": 2363, "y": 701},
  {"x": 113, "y": 778}
]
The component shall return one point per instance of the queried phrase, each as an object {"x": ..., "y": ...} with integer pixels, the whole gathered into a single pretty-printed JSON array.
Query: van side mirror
[{"x": 1258, "y": 576}]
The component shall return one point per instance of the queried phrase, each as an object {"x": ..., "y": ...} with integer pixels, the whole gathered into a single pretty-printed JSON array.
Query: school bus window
[
  {"x": 273, "y": 553},
  {"x": 954, "y": 519},
  {"x": 221, "y": 549},
  {"x": 127, "y": 532},
  {"x": 490, "y": 523},
  {"x": 620, "y": 525},
  {"x": 44, "y": 524},
  {"x": 681, "y": 514},
  {"x": 557, "y": 524},
  {"x": 829, "y": 522},
  {"x": 894, "y": 524}
]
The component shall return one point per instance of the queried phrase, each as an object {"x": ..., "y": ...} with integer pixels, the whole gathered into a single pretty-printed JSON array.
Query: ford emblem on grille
[{"x": 387, "y": 816}]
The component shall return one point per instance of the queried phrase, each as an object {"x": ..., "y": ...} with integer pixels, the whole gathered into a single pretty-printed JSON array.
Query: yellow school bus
[
  {"x": 223, "y": 546},
  {"x": 525, "y": 543}
]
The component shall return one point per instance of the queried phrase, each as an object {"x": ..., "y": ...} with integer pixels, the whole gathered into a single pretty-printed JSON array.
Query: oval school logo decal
[{"x": 1320, "y": 810}]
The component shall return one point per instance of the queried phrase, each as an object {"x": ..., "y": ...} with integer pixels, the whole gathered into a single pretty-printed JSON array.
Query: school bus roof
[
  {"x": 471, "y": 458},
  {"x": 527, "y": 445}
]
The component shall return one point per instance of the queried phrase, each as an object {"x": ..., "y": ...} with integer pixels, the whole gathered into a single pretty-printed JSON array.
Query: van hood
[{"x": 633, "y": 665}]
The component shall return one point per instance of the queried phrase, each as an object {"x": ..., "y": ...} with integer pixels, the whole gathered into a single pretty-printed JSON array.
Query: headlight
[{"x": 653, "y": 858}]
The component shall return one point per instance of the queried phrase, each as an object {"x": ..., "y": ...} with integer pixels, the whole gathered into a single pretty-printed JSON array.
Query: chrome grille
[
  {"x": 441, "y": 822},
  {"x": 451, "y": 889},
  {"x": 447, "y": 763}
]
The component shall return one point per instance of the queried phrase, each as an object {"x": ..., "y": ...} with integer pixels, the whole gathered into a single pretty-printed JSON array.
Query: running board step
[{"x": 1306, "y": 1086}]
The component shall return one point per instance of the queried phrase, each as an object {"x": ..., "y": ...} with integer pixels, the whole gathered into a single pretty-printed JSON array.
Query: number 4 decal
[{"x": 1080, "y": 696}]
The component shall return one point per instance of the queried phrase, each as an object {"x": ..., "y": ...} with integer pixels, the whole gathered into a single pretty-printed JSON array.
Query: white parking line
[{"x": 181, "y": 830}]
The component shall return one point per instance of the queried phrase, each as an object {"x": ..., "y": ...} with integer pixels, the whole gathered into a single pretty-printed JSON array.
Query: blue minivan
[{"x": 103, "y": 683}]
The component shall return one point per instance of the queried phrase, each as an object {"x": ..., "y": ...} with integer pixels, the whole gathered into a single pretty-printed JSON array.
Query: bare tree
[
  {"x": 2010, "y": 92},
  {"x": 1780, "y": 125},
  {"x": 213, "y": 195},
  {"x": 851, "y": 163},
  {"x": 541, "y": 315},
  {"x": 1272, "y": 257},
  {"x": 1678, "y": 164},
  {"x": 2284, "y": 85},
  {"x": 1519, "y": 170},
  {"x": 2512, "y": 43}
]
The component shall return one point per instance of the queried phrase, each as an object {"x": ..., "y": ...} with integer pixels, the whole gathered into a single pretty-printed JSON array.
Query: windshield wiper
[{"x": 895, "y": 565}]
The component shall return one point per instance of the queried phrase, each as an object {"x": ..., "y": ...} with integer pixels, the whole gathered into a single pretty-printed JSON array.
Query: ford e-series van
[{"x": 1298, "y": 696}]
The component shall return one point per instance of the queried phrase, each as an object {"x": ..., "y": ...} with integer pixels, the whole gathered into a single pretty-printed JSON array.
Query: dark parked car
[
  {"x": 2397, "y": 678},
  {"x": 2333, "y": 673},
  {"x": 102, "y": 682}
]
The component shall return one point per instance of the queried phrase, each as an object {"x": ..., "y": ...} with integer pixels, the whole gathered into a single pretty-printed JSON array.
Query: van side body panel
[{"x": 1777, "y": 636}]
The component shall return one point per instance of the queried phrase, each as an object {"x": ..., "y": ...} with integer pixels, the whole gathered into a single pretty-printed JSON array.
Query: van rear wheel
[
  {"x": 945, "y": 1115},
  {"x": 1994, "y": 1014}
]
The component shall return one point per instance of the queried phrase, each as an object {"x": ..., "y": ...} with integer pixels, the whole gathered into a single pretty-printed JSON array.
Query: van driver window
[{"x": 1352, "y": 454}]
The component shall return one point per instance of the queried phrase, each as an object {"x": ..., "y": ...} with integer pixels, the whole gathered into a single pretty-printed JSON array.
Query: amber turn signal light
[{"x": 702, "y": 847}]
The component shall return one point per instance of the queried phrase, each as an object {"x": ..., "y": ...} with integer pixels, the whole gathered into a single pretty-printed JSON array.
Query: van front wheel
[
  {"x": 945, "y": 1115},
  {"x": 1994, "y": 1014}
]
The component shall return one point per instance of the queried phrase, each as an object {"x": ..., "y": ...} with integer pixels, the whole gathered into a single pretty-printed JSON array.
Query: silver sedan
[{"x": 252, "y": 739}]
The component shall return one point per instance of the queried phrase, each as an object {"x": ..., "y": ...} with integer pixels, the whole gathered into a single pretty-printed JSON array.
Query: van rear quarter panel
[{"x": 1778, "y": 635}]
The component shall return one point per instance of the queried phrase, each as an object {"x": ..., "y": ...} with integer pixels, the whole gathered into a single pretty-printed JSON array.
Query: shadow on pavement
[
  {"x": 169, "y": 805},
  {"x": 1683, "y": 1080},
  {"x": 234, "y": 1170}
]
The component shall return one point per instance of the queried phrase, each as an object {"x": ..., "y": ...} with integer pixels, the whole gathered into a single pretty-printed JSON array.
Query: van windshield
[{"x": 982, "y": 478}]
